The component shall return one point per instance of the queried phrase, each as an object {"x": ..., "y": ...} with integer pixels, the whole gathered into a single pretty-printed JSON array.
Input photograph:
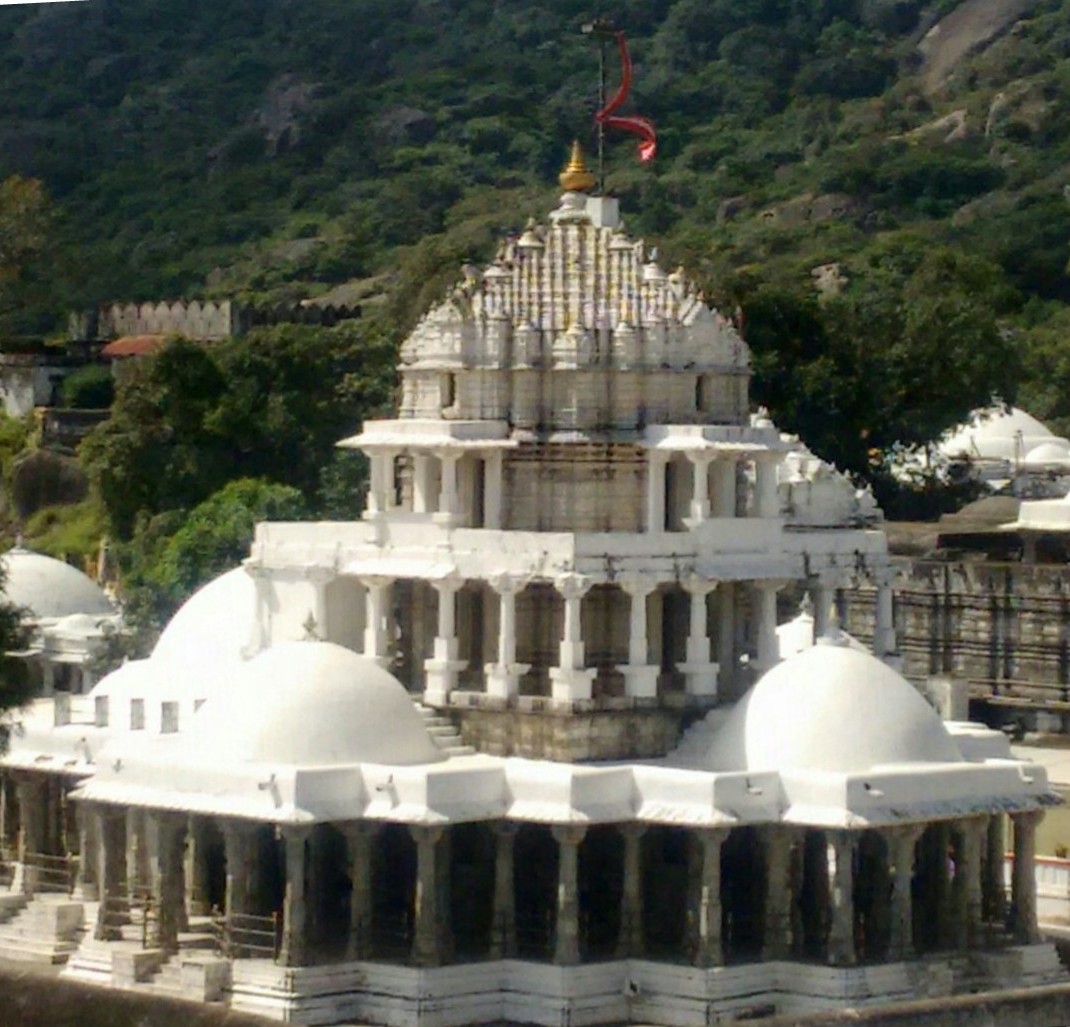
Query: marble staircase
[
  {"x": 442, "y": 732},
  {"x": 45, "y": 930}
]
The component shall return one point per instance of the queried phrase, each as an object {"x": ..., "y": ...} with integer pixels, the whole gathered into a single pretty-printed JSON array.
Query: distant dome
[
  {"x": 995, "y": 433},
  {"x": 214, "y": 624},
  {"x": 51, "y": 588},
  {"x": 312, "y": 704},
  {"x": 832, "y": 708},
  {"x": 1048, "y": 453}
]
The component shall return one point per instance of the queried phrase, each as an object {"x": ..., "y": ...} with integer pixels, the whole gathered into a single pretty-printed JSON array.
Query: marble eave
[{"x": 483, "y": 787}]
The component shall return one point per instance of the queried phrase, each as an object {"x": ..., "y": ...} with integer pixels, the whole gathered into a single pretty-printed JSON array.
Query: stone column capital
[
  {"x": 320, "y": 575},
  {"x": 452, "y": 582},
  {"x": 569, "y": 834},
  {"x": 375, "y": 580},
  {"x": 701, "y": 457},
  {"x": 428, "y": 833},
  {"x": 637, "y": 585},
  {"x": 507, "y": 583},
  {"x": 698, "y": 585},
  {"x": 573, "y": 586}
]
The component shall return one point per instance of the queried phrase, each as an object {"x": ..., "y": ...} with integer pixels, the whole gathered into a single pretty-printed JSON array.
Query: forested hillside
[{"x": 917, "y": 150}]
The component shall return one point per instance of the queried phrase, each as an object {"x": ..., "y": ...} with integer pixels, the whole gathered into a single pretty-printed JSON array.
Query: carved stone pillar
[
  {"x": 1023, "y": 877},
  {"x": 448, "y": 500},
  {"x": 376, "y": 643},
  {"x": 994, "y": 890},
  {"x": 700, "y": 672},
  {"x": 240, "y": 857},
  {"x": 966, "y": 886},
  {"x": 443, "y": 667},
  {"x": 901, "y": 843},
  {"x": 884, "y": 641},
  {"x": 503, "y": 931},
  {"x": 360, "y": 837},
  {"x": 700, "y": 496},
  {"x": 570, "y": 680},
  {"x": 168, "y": 877},
  {"x": 630, "y": 939},
  {"x": 709, "y": 945},
  {"x": 85, "y": 884},
  {"x": 777, "y": 943},
  {"x": 30, "y": 795},
  {"x": 110, "y": 828},
  {"x": 655, "y": 492},
  {"x": 768, "y": 647},
  {"x": 767, "y": 498},
  {"x": 724, "y": 486},
  {"x": 640, "y": 676},
  {"x": 567, "y": 924},
  {"x": 380, "y": 483},
  {"x": 842, "y": 950},
  {"x": 492, "y": 489},
  {"x": 294, "y": 950},
  {"x": 503, "y": 677},
  {"x": 423, "y": 483},
  {"x": 432, "y": 914}
]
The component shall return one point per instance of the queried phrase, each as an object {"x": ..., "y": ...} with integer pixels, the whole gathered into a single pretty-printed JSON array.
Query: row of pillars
[
  {"x": 964, "y": 891},
  {"x": 571, "y": 679},
  {"x": 435, "y": 485}
]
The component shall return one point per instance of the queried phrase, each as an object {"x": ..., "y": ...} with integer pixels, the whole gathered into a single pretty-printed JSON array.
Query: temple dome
[
  {"x": 51, "y": 588},
  {"x": 214, "y": 624},
  {"x": 996, "y": 433},
  {"x": 313, "y": 704},
  {"x": 830, "y": 708}
]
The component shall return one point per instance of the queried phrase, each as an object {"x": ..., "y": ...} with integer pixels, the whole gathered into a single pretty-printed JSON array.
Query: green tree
[
  {"x": 26, "y": 251},
  {"x": 217, "y": 534},
  {"x": 910, "y": 348}
]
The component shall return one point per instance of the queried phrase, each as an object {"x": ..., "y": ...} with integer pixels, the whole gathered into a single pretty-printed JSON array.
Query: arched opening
[
  {"x": 393, "y": 893},
  {"x": 743, "y": 876},
  {"x": 872, "y": 898},
  {"x": 601, "y": 880},
  {"x": 675, "y": 621},
  {"x": 812, "y": 898},
  {"x": 678, "y": 487},
  {"x": 329, "y": 893},
  {"x": 535, "y": 891},
  {"x": 665, "y": 856},
  {"x": 472, "y": 854},
  {"x": 605, "y": 618},
  {"x": 540, "y": 618}
]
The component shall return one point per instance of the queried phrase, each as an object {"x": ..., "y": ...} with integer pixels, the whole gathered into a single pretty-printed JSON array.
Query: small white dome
[
  {"x": 50, "y": 587},
  {"x": 312, "y": 704},
  {"x": 1055, "y": 452},
  {"x": 212, "y": 626},
  {"x": 832, "y": 708},
  {"x": 995, "y": 433}
]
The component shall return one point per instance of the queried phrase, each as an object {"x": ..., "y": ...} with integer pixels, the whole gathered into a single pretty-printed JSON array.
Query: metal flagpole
[{"x": 604, "y": 30}]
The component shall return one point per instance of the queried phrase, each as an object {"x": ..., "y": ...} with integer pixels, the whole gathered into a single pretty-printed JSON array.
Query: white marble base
[{"x": 637, "y": 991}]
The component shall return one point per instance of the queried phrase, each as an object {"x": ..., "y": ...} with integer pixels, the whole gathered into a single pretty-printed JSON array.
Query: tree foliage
[{"x": 905, "y": 353}]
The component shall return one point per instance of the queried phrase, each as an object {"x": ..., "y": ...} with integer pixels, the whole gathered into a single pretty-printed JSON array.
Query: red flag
[{"x": 607, "y": 116}]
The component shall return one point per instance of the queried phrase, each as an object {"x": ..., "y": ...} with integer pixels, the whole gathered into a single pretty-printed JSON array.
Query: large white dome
[
  {"x": 996, "y": 433},
  {"x": 50, "y": 587},
  {"x": 214, "y": 625},
  {"x": 831, "y": 708},
  {"x": 312, "y": 704}
]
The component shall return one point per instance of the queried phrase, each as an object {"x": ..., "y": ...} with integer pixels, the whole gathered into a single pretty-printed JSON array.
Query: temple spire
[{"x": 576, "y": 177}]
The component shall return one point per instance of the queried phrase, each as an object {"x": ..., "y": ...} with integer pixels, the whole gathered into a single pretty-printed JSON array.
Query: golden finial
[{"x": 576, "y": 178}]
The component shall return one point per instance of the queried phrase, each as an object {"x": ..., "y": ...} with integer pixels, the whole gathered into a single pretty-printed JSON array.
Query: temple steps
[
  {"x": 45, "y": 931},
  {"x": 442, "y": 731}
]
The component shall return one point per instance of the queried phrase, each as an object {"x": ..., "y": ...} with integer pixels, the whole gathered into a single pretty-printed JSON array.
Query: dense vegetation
[{"x": 285, "y": 149}]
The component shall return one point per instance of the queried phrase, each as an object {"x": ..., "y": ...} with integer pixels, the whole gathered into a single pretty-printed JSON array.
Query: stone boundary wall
[
  {"x": 1004, "y": 628},
  {"x": 204, "y": 321}
]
